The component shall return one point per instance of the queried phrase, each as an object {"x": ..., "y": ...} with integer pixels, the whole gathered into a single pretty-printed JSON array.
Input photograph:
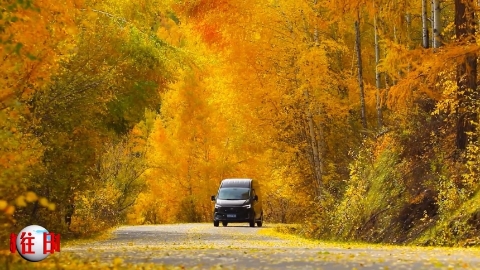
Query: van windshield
[{"x": 234, "y": 194}]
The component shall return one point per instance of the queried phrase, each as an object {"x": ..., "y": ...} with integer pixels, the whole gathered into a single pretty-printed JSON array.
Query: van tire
[
  {"x": 216, "y": 223},
  {"x": 252, "y": 223},
  {"x": 260, "y": 222},
  {"x": 224, "y": 224}
]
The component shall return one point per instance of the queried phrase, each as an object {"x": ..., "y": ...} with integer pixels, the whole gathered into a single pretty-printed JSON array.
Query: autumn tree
[
  {"x": 466, "y": 72},
  {"x": 34, "y": 37},
  {"x": 94, "y": 89}
]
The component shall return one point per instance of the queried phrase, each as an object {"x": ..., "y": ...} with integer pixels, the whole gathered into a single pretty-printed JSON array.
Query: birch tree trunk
[
  {"x": 432, "y": 22},
  {"x": 377, "y": 74},
  {"x": 408, "y": 20},
  {"x": 314, "y": 145},
  {"x": 425, "y": 41},
  {"x": 360, "y": 71},
  {"x": 315, "y": 130},
  {"x": 319, "y": 132},
  {"x": 437, "y": 24}
]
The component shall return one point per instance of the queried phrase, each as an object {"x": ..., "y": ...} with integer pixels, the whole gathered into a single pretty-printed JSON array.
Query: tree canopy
[{"x": 358, "y": 118}]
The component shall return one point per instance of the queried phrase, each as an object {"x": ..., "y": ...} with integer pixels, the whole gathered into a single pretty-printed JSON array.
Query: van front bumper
[{"x": 233, "y": 214}]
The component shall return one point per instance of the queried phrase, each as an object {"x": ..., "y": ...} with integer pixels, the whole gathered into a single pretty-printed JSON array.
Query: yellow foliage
[
  {"x": 3, "y": 205},
  {"x": 43, "y": 202},
  {"x": 10, "y": 210},
  {"x": 20, "y": 201},
  {"x": 117, "y": 262},
  {"x": 264, "y": 89},
  {"x": 51, "y": 206},
  {"x": 31, "y": 196}
]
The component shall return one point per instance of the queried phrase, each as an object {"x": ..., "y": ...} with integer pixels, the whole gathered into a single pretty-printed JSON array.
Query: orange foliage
[
  {"x": 34, "y": 44},
  {"x": 262, "y": 89},
  {"x": 35, "y": 37},
  {"x": 210, "y": 32}
]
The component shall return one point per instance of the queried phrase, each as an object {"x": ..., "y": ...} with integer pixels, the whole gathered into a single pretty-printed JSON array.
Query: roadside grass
[
  {"x": 458, "y": 228},
  {"x": 74, "y": 241},
  {"x": 292, "y": 232},
  {"x": 357, "y": 251}
]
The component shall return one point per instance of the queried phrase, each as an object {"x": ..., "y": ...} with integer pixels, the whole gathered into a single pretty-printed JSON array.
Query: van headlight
[
  {"x": 248, "y": 206},
  {"x": 217, "y": 206}
]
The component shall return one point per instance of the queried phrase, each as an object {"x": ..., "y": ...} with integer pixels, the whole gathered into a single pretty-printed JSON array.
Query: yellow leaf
[
  {"x": 31, "y": 196},
  {"x": 3, "y": 204},
  {"x": 43, "y": 202},
  {"x": 117, "y": 261},
  {"x": 51, "y": 206},
  {"x": 20, "y": 201},
  {"x": 10, "y": 210},
  {"x": 71, "y": 30}
]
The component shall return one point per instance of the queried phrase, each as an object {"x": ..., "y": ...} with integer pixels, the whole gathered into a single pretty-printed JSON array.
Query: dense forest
[{"x": 359, "y": 118}]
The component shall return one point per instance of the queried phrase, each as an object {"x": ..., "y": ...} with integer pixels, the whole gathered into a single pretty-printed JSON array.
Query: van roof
[{"x": 236, "y": 182}]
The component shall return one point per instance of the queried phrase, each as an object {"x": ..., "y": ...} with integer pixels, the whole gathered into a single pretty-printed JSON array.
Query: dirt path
[{"x": 202, "y": 246}]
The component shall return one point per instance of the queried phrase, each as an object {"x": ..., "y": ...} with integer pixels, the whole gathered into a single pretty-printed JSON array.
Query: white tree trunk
[
  {"x": 314, "y": 145},
  {"x": 316, "y": 131},
  {"x": 432, "y": 22},
  {"x": 408, "y": 20},
  {"x": 437, "y": 24},
  {"x": 360, "y": 71},
  {"x": 377, "y": 74},
  {"x": 425, "y": 41}
]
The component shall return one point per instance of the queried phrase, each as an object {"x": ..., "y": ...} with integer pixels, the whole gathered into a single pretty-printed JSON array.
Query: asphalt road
[{"x": 202, "y": 246}]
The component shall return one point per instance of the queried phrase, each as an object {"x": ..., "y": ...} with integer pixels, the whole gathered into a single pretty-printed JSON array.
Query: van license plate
[{"x": 231, "y": 215}]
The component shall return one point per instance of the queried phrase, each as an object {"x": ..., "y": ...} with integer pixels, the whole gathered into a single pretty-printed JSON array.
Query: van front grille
[
  {"x": 229, "y": 210},
  {"x": 241, "y": 212}
]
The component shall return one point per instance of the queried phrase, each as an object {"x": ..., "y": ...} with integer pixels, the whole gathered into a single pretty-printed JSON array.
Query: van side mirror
[
  {"x": 255, "y": 198},
  {"x": 213, "y": 197}
]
